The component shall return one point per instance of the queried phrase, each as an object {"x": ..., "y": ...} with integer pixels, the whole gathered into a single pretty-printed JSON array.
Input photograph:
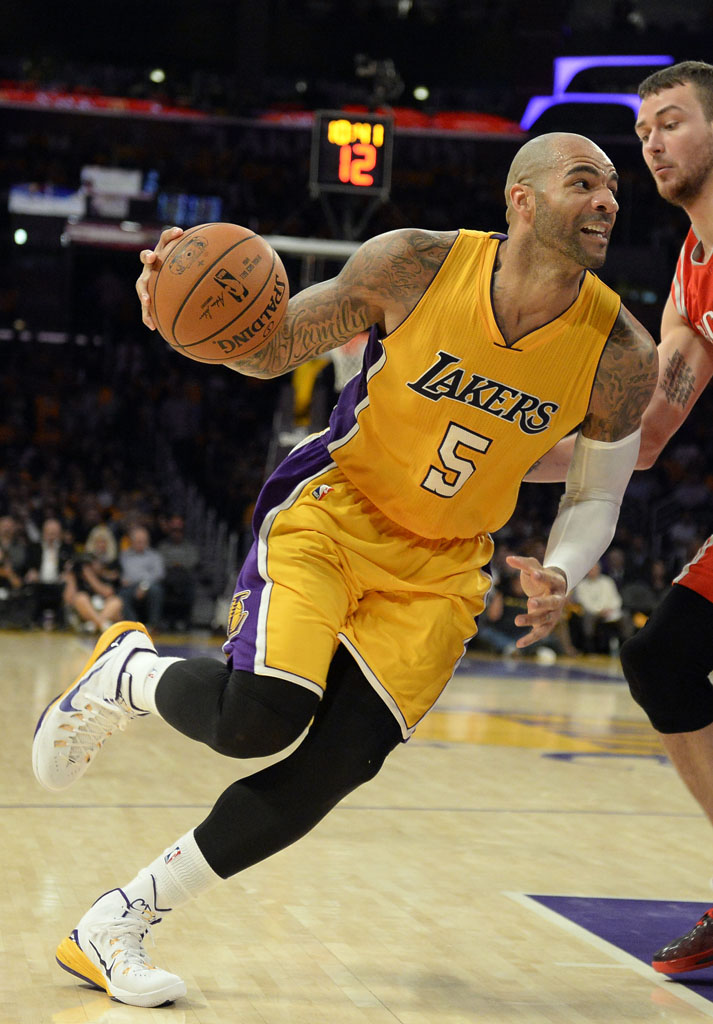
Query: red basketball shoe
[{"x": 691, "y": 952}]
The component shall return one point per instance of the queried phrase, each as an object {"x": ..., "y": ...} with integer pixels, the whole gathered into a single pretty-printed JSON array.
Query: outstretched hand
[
  {"x": 546, "y": 591},
  {"x": 148, "y": 257}
]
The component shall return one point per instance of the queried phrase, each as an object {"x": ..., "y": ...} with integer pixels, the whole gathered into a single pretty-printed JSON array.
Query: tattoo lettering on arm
[
  {"x": 308, "y": 331},
  {"x": 678, "y": 380},
  {"x": 380, "y": 284},
  {"x": 624, "y": 382}
]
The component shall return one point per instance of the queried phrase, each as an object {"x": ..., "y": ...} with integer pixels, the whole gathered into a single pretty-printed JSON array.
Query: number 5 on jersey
[{"x": 458, "y": 467}]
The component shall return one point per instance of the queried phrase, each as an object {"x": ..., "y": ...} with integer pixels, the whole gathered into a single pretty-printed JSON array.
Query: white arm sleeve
[{"x": 589, "y": 509}]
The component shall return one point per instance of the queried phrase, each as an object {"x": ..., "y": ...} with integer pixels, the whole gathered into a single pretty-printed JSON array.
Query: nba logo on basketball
[{"x": 234, "y": 288}]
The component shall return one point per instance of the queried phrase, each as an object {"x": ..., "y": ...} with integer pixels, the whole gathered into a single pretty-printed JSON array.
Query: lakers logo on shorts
[{"x": 237, "y": 614}]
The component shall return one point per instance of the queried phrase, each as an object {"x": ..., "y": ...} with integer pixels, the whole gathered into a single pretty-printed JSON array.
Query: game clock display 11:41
[{"x": 351, "y": 153}]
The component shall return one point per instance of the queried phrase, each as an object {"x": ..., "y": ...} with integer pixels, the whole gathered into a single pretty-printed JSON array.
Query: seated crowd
[
  {"x": 141, "y": 566},
  {"x": 612, "y": 602},
  {"x": 91, "y": 528},
  {"x": 50, "y": 579}
]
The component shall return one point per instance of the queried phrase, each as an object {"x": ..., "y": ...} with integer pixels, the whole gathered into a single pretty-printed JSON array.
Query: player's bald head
[{"x": 535, "y": 160}]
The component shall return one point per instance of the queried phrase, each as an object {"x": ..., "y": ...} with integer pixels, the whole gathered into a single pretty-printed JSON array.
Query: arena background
[
  {"x": 523, "y": 856},
  {"x": 208, "y": 110}
]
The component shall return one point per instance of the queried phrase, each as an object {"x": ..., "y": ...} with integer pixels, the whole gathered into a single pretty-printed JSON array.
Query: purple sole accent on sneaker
[{"x": 81, "y": 977}]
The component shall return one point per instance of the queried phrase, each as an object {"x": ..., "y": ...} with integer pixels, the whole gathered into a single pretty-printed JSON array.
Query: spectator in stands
[
  {"x": 142, "y": 574},
  {"x": 496, "y": 626},
  {"x": 9, "y": 580},
  {"x": 498, "y": 567},
  {"x": 92, "y": 581},
  {"x": 684, "y": 536},
  {"x": 637, "y": 557},
  {"x": 12, "y": 545},
  {"x": 600, "y": 615},
  {"x": 101, "y": 543},
  {"x": 660, "y": 580},
  {"x": 47, "y": 560},
  {"x": 493, "y": 632},
  {"x": 10, "y": 584},
  {"x": 90, "y": 594},
  {"x": 640, "y": 597},
  {"x": 614, "y": 563},
  {"x": 181, "y": 558}
]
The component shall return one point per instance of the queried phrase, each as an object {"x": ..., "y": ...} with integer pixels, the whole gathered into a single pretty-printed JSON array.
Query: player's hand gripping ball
[{"x": 218, "y": 293}]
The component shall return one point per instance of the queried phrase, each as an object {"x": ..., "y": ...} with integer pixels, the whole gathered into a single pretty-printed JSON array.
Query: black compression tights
[
  {"x": 235, "y": 713},
  {"x": 352, "y": 733}
]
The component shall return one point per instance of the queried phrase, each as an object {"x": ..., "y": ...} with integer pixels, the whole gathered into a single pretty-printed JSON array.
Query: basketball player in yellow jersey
[{"x": 363, "y": 585}]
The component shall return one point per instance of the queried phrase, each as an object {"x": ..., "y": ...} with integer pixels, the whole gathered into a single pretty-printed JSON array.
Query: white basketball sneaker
[
  {"x": 76, "y": 724},
  {"x": 106, "y": 949}
]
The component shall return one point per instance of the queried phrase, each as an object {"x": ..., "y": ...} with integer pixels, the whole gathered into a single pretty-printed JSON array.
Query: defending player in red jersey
[{"x": 669, "y": 663}]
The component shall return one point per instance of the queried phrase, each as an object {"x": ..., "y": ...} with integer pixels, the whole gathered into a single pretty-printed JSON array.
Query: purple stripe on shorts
[
  {"x": 302, "y": 463},
  {"x": 280, "y": 489}
]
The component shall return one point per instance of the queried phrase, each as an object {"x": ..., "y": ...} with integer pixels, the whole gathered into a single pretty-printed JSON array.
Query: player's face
[
  {"x": 575, "y": 213},
  {"x": 677, "y": 143}
]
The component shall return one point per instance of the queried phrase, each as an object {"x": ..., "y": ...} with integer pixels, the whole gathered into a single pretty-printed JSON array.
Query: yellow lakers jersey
[{"x": 445, "y": 419}]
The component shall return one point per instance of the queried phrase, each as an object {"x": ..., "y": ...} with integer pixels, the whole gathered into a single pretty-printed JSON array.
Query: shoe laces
[
  {"x": 91, "y": 725},
  {"x": 125, "y": 937}
]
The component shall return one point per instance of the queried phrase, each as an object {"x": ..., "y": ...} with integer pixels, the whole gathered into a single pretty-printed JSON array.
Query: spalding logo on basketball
[{"x": 219, "y": 294}]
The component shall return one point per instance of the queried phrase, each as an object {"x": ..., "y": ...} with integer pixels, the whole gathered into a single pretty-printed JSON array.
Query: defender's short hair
[{"x": 697, "y": 72}]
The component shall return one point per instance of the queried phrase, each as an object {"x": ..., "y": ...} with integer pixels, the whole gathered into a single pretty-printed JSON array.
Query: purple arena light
[{"x": 565, "y": 68}]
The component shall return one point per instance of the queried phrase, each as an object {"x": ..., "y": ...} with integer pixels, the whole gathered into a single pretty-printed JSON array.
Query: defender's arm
[{"x": 685, "y": 368}]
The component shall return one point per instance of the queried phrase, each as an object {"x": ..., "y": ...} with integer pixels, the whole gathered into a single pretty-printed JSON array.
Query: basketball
[{"x": 219, "y": 294}]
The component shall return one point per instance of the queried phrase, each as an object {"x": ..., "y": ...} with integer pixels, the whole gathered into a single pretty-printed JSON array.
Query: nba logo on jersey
[
  {"x": 172, "y": 854},
  {"x": 319, "y": 492}
]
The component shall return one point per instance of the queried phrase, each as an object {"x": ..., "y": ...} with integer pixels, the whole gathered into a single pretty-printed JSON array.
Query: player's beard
[
  {"x": 690, "y": 185},
  {"x": 554, "y": 231}
]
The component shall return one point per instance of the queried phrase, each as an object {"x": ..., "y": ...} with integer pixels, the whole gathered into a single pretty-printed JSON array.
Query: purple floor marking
[{"x": 639, "y": 927}]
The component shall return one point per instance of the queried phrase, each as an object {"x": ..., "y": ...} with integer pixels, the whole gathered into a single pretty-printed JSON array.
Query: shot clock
[{"x": 351, "y": 153}]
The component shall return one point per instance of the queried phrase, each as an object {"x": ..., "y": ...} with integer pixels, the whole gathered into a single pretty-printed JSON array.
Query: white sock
[
  {"x": 144, "y": 670},
  {"x": 179, "y": 873}
]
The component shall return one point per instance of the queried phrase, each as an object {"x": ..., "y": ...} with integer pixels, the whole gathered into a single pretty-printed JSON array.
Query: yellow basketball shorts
[{"x": 327, "y": 567}]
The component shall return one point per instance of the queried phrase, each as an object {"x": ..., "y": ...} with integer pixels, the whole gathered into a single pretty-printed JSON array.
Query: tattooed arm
[
  {"x": 685, "y": 368},
  {"x": 622, "y": 388},
  {"x": 624, "y": 381},
  {"x": 380, "y": 284}
]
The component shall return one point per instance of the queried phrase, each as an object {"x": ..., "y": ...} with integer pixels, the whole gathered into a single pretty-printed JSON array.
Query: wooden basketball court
[{"x": 517, "y": 861}]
